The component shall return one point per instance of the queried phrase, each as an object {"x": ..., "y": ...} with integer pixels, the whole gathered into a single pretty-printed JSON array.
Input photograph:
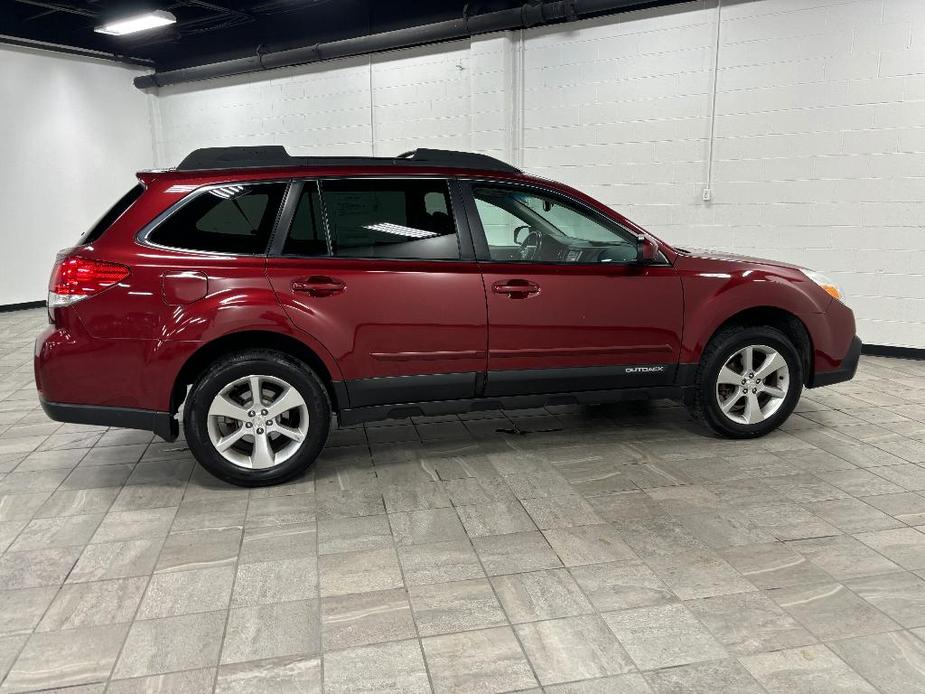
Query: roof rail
[
  {"x": 462, "y": 160},
  {"x": 234, "y": 157},
  {"x": 277, "y": 156}
]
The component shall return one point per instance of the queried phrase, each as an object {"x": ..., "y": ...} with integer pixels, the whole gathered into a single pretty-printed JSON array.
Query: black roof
[{"x": 277, "y": 156}]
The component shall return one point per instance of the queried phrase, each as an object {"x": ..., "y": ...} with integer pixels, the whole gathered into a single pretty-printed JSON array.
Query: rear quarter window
[
  {"x": 235, "y": 219},
  {"x": 111, "y": 215}
]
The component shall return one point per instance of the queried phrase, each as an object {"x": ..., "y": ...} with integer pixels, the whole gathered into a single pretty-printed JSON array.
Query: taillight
[{"x": 75, "y": 278}]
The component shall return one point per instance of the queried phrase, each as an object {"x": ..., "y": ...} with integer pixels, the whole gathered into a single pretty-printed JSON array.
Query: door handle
[
  {"x": 516, "y": 288},
  {"x": 319, "y": 285}
]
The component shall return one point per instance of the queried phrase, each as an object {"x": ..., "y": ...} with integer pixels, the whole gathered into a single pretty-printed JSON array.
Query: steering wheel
[{"x": 530, "y": 246}]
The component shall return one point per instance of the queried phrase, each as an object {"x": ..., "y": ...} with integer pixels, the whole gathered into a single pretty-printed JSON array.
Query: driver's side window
[
  {"x": 501, "y": 230},
  {"x": 524, "y": 225}
]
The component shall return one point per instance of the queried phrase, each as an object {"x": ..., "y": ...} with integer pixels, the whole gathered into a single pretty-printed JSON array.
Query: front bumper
[
  {"x": 161, "y": 423},
  {"x": 845, "y": 372}
]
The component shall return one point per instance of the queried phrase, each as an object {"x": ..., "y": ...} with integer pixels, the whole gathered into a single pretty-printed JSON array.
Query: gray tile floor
[{"x": 607, "y": 550}]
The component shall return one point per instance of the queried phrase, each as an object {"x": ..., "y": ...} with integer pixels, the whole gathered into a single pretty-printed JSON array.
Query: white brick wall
[
  {"x": 819, "y": 142},
  {"x": 74, "y": 132},
  {"x": 315, "y": 110},
  {"x": 812, "y": 108}
]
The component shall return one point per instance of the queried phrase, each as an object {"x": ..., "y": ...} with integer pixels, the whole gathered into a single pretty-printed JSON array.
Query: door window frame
[
  {"x": 480, "y": 239},
  {"x": 286, "y": 216},
  {"x": 283, "y": 227}
]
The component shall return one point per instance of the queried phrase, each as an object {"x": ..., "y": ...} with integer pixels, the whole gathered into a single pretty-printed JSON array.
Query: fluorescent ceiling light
[{"x": 141, "y": 22}]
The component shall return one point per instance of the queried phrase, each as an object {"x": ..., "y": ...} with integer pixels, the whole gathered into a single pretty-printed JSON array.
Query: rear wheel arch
[
  {"x": 257, "y": 417},
  {"x": 254, "y": 340},
  {"x": 775, "y": 317}
]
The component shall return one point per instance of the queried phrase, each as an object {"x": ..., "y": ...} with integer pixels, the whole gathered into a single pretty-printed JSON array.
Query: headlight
[{"x": 828, "y": 285}]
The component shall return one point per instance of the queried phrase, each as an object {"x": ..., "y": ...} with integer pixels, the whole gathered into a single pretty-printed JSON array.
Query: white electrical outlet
[{"x": 707, "y": 194}]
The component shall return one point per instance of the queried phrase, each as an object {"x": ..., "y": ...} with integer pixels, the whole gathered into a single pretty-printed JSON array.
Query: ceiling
[{"x": 214, "y": 30}]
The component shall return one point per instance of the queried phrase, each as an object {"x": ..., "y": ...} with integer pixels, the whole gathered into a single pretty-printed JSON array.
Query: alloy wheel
[
  {"x": 258, "y": 422},
  {"x": 752, "y": 384}
]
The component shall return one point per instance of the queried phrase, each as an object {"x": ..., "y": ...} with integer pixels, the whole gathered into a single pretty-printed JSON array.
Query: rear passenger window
[
  {"x": 391, "y": 219},
  {"x": 307, "y": 237},
  {"x": 234, "y": 219}
]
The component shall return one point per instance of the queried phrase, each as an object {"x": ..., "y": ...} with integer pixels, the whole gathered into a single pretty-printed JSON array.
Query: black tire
[
  {"x": 704, "y": 406},
  {"x": 265, "y": 363}
]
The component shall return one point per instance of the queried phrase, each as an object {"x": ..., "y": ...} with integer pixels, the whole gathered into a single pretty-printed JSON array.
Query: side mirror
[
  {"x": 520, "y": 233},
  {"x": 646, "y": 250}
]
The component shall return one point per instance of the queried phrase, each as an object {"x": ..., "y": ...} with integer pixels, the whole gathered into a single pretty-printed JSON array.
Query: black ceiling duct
[{"x": 528, "y": 15}]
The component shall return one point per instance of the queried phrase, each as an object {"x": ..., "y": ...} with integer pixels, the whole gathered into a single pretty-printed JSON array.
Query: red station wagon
[{"x": 271, "y": 293}]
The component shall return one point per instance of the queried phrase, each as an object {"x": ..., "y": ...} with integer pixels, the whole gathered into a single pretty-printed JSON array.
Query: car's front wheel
[
  {"x": 257, "y": 418},
  {"x": 748, "y": 382}
]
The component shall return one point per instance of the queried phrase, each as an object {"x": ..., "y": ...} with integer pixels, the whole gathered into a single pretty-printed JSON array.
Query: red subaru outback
[{"x": 272, "y": 293}]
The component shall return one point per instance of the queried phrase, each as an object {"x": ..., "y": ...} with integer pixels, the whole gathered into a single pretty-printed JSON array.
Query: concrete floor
[{"x": 608, "y": 550}]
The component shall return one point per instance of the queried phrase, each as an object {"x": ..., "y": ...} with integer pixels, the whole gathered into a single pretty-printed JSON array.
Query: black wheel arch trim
[{"x": 845, "y": 372}]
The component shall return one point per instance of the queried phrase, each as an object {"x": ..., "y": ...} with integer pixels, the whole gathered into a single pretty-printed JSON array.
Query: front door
[
  {"x": 378, "y": 271},
  {"x": 569, "y": 309}
]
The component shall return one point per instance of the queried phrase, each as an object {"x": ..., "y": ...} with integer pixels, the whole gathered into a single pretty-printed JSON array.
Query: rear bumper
[
  {"x": 111, "y": 382},
  {"x": 161, "y": 423},
  {"x": 845, "y": 372}
]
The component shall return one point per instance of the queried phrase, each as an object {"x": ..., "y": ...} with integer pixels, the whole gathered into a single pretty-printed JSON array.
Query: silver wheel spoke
[
  {"x": 227, "y": 442},
  {"x": 223, "y": 407},
  {"x": 773, "y": 363},
  {"x": 263, "y": 455},
  {"x": 772, "y": 391},
  {"x": 257, "y": 398},
  {"x": 752, "y": 412},
  {"x": 285, "y": 402},
  {"x": 729, "y": 377},
  {"x": 730, "y": 403},
  {"x": 290, "y": 433},
  {"x": 748, "y": 360}
]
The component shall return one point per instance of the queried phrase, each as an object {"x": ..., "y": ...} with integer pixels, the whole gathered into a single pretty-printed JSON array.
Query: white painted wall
[
  {"x": 73, "y": 132},
  {"x": 818, "y": 147}
]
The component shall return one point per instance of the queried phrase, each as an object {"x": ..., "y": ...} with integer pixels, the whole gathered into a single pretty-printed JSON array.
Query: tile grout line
[
  {"x": 494, "y": 592},
  {"x": 234, "y": 583},
  {"x": 60, "y": 587},
  {"x": 148, "y": 578}
]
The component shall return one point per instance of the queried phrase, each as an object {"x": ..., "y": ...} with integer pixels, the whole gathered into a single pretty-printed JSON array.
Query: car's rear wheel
[
  {"x": 257, "y": 418},
  {"x": 748, "y": 382}
]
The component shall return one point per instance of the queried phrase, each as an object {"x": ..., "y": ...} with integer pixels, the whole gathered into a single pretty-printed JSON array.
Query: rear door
[
  {"x": 568, "y": 307},
  {"x": 382, "y": 272}
]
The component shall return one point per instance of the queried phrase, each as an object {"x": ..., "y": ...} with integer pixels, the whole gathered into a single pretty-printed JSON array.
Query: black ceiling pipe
[
  {"x": 529, "y": 15},
  {"x": 72, "y": 50}
]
